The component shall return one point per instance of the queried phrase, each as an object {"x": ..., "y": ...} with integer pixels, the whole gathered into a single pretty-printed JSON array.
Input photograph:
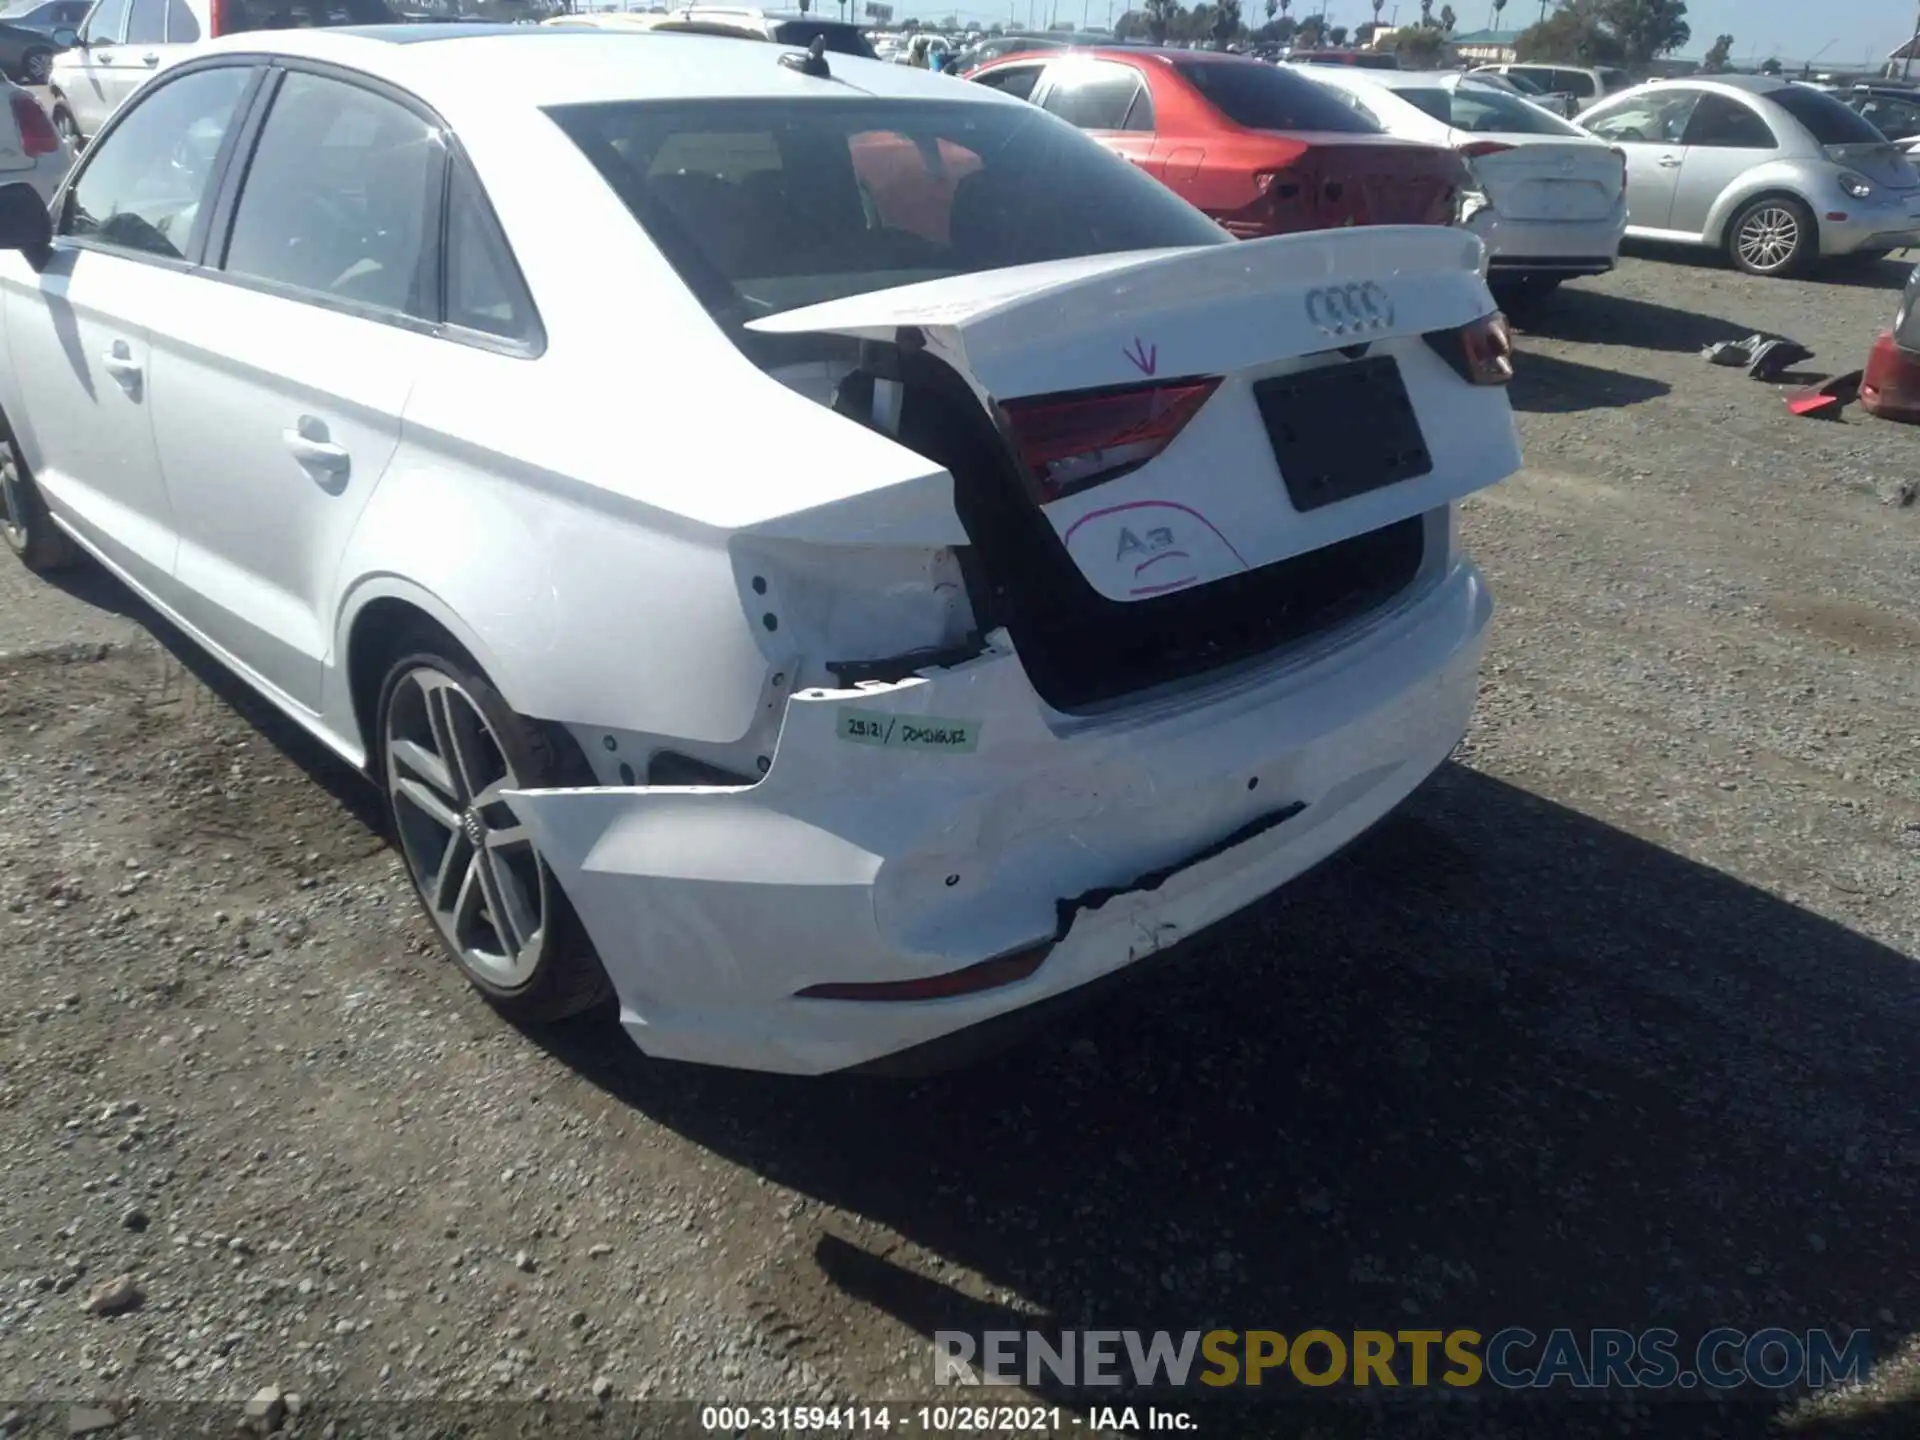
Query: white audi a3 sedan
[{"x": 823, "y": 553}]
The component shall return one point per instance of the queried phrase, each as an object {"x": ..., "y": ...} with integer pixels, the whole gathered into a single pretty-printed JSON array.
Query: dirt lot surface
[{"x": 1614, "y": 1025}]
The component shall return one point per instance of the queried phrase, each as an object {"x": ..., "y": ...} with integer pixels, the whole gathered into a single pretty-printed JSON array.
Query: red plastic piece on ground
[{"x": 1891, "y": 387}]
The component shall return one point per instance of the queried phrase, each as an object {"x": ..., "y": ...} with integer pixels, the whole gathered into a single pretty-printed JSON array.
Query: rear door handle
[
  {"x": 149, "y": 59},
  {"x": 1669, "y": 162},
  {"x": 307, "y": 442},
  {"x": 119, "y": 363}
]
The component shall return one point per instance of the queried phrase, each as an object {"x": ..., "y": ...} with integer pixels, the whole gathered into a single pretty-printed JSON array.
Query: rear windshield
[
  {"x": 1270, "y": 97},
  {"x": 241, "y": 15},
  {"x": 1482, "y": 109},
  {"x": 765, "y": 205},
  {"x": 841, "y": 39},
  {"x": 1825, "y": 118}
]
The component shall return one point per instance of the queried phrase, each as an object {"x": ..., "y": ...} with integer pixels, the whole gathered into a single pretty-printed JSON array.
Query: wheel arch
[
  {"x": 381, "y": 620},
  {"x": 1722, "y": 228}
]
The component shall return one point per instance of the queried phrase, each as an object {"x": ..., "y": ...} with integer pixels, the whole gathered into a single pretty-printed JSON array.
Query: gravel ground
[{"x": 1611, "y": 1026}]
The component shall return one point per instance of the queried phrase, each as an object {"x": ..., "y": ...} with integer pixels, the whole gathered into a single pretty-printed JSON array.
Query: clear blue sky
[{"x": 1841, "y": 32}]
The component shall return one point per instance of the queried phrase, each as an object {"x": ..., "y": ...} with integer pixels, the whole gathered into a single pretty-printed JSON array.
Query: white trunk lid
[
  {"x": 1216, "y": 501},
  {"x": 1547, "y": 179}
]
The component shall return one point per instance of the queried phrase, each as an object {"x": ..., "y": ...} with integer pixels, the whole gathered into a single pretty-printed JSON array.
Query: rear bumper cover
[
  {"x": 1890, "y": 388},
  {"x": 909, "y": 830},
  {"x": 1550, "y": 247}
]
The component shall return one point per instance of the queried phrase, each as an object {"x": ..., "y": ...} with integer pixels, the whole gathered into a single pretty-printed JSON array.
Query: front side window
[
  {"x": 846, "y": 211},
  {"x": 1719, "y": 123},
  {"x": 1270, "y": 97},
  {"x": 1656, "y": 117},
  {"x": 341, "y": 199},
  {"x": 103, "y": 25},
  {"x": 148, "y": 180},
  {"x": 1096, "y": 95}
]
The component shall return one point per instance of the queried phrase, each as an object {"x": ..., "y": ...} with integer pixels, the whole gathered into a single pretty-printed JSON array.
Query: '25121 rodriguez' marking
[{"x": 909, "y": 732}]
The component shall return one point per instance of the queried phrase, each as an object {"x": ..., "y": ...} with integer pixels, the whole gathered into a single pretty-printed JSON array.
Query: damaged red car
[
  {"x": 1891, "y": 385},
  {"x": 1262, "y": 150}
]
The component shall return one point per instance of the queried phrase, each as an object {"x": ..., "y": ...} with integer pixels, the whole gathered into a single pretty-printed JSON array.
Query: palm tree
[
  {"x": 1498, "y": 6},
  {"x": 1285, "y": 6},
  {"x": 1426, "y": 12},
  {"x": 1272, "y": 6}
]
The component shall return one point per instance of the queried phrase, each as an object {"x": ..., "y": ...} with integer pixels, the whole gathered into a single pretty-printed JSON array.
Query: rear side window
[
  {"x": 1099, "y": 95},
  {"x": 341, "y": 199},
  {"x": 868, "y": 193},
  {"x": 841, "y": 39},
  {"x": 149, "y": 178},
  {"x": 1436, "y": 103},
  {"x": 1014, "y": 80},
  {"x": 1574, "y": 82},
  {"x": 1615, "y": 79},
  {"x": 1825, "y": 118},
  {"x": 1896, "y": 119},
  {"x": 1271, "y": 97},
  {"x": 237, "y": 16},
  {"x": 485, "y": 293},
  {"x": 1722, "y": 124},
  {"x": 147, "y": 22},
  {"x": 1488, "y": 111}
]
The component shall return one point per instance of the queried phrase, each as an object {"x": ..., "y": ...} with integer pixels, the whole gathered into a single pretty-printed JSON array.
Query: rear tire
[
  {"x": 1774, "y": 235},
  {"x": 25, "y": 524},
  {"x": 448, "y": 743}
]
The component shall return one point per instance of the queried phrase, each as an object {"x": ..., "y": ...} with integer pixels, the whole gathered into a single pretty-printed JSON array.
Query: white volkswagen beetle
[{"x": 828, "y": 555}]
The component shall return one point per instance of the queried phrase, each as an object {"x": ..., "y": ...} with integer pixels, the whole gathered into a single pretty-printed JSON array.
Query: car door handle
[
  {"x": 119, "y": 363},
  {"x": 1669, "y": 162},
  {"x": 149, "y": 59},
  {"x": 309, "y": 445}
]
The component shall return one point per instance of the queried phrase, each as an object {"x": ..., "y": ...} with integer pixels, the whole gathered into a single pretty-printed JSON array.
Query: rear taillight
[
  {"x": 1479, "y": 149},
  {"x": 1072, "y": 441},
  {"x": 1480, "y": 353},
  {"x": 37, "y": 135}
]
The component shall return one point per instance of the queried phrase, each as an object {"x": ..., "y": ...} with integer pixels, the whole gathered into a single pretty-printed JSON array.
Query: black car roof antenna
[{"x": 813, "y": 63}]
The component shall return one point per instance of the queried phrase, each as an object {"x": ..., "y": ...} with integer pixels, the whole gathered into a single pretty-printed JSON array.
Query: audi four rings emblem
[{"x": 1350, "y": 309}]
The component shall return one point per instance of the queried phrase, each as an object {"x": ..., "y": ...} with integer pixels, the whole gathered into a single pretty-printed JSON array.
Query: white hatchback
[
  {"x": 1553, "y": 199},
  {"x": 828, "y": 555}
]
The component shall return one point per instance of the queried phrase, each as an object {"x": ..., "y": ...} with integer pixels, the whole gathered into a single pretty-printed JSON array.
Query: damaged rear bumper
[{"x": 912, "y": 830}]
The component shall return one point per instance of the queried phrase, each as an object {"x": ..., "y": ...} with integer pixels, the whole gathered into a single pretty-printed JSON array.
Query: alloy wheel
[
  {"x": 1769, "y": 237},
  {"x": 13, "y": 504},
  {"x": 473, "y": 862},
  {"x": 39, "y": 68}
]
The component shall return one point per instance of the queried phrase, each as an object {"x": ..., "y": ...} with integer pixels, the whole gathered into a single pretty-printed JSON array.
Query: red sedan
[{"x": 1259, "y": 147}]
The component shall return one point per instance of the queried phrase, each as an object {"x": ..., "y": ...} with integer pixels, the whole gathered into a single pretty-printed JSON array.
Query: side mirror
[
  {"x": 66, "y": 37},
  {"x": 26, "y": 224}
]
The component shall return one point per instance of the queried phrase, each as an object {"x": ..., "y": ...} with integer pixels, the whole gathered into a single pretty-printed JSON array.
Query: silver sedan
[{"x": 1779, "y": 175}]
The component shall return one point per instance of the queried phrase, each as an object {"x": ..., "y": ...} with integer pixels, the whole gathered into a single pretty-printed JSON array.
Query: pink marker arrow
[{"x": 1145, "y": 358}]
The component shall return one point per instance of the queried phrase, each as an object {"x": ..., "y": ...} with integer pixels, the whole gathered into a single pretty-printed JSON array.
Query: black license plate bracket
[{"x": 1342, "y": 430}]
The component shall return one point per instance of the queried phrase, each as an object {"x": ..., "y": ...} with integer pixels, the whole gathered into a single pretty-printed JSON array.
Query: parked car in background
[
  {"x": 27, "y": 53},
  {"x": 1777, "y": 174},
  {"x": 1890, "y": 387},
  {"x": 1359, "y": 59},
  {"x": 793, "y": 737},
  {"x": 124, "y": 43},
  {"x": 1258, "y": 147},
  {"x": 998, "y": 47},
  {"x": 1586, "y": 87},
  {"x": 1551, "y": 200},
  {"x": 787, "y": 27},
  {"x": 46, "y": 16},
  {"x": 31, "y": 150}
]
